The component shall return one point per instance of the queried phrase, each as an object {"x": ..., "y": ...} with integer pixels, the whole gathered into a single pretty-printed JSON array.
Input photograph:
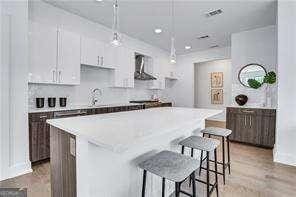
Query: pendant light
[
  {"x": 116, "y": 37},
  {"x": 173, "y": 56}
]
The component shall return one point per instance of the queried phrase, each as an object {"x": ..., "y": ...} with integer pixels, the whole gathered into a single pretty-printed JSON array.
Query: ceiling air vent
[
  {"x": 213, "y": 13},
  {"x": 214, "y": 46},
  {"x": 203, "y": 37}
]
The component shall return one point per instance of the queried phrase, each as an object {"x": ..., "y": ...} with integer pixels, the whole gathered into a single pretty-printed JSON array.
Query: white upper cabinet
[
  {"x": 125, "y": 67},
  {"x": 68, "y": 66},
  {"x": 110, "y": 56},
  {"x": 95, "y": 53},
  {"x": 54, "y": 55},
  {"x": 158, "y": 71},
  {"x": 42, "y": 53}
]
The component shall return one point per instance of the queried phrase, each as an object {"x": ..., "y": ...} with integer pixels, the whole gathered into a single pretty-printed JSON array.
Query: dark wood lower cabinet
[
  {"x": 39, "y": 130},
  {"x": 39, "y": 134},
  {"x": 252, "y": 126}
]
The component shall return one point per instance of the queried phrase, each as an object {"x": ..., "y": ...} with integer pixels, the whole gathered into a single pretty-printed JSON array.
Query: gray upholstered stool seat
[
  {"x": 200, "y": 143},
  {"x": 170, "y": 165},
  {"x": 173, "y": 166},
  {"x": 217, "y": 131}
]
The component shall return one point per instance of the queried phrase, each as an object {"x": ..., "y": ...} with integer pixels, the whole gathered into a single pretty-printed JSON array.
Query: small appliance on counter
[
  {"x": 63, "y": 101},
  {"x": 51, "y": 102},
  {"x": 39, "y": 102}
]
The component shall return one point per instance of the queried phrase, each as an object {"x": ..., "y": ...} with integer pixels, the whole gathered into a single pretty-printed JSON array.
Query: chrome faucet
[{"x": 95, "y": 95}]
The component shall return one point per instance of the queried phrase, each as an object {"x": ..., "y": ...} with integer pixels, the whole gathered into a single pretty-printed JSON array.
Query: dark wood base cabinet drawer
[{"x": 252, "y": 126}]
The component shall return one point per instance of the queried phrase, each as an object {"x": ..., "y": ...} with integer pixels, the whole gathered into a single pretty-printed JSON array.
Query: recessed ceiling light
[
  {"x": 203, "y": 37},
  {"x": 214, "y": 12},
  {"x": 214, "y": 46},
  {"x": 158, "y": 31},
  {"x": 187, "y": 47},
  {"x": 98, "y": 0}
]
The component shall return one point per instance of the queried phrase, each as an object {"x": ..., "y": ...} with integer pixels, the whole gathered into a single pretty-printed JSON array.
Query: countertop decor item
[
  {"x": 39, "y": 102},
  {"x": 51, "y": 102},
  {"x": 63, "y": 101},
  {"x": 241, "y": 99}
]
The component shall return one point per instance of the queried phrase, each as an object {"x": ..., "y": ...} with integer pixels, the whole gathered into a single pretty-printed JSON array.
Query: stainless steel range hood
[{"x": 140, "y": 73}]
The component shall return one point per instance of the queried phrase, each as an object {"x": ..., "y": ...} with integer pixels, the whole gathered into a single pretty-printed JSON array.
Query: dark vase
[
  {"x": 63, "y": 102},
  {"x": 241, "y": 99},
  {"x": 39, "y": 102},
  {"x": 51, "y": 102}
]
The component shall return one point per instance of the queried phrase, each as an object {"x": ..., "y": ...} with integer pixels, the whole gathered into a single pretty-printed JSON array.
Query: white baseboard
[
  {"x": 17, "y": 170},
  {"x": 283, "y": 158}
]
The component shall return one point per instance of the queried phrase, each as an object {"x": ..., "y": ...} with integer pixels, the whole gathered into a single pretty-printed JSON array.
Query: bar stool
[
  {"x": 224, "y": 134},
  {"x": 172, "y": 166},
  {"x": 208, "y": 145}
]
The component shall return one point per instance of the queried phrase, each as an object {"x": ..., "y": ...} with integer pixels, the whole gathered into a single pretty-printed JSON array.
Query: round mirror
[{"x": 251, "y": 71}]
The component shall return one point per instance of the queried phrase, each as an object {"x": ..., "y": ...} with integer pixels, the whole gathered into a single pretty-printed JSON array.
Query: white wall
[
  {"x": 202, "y": 83},
  {"x": 14, "y": 91},
  {"x": 183, "y": 91},
  {"x": 254, "y": 46},
  {"x": 90, "y": 77},
  {"x": 285, "y": 150}
]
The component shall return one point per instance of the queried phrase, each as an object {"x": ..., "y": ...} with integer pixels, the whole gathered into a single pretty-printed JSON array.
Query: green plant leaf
[
  {"x": 270, "y": 77},
  {"x": 253, "y": 83}
]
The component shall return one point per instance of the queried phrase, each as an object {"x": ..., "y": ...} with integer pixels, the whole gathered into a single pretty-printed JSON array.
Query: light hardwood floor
[{"x": 253, "y": 174}]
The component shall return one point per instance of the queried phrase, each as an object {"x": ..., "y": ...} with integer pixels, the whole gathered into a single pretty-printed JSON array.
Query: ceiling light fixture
[
  {"x": 116, "y": 37},
  {"x": 173, "y": 56},
  {"x": 187, "y": 47},
  {"x": 98, "y": 0},
  {"x": 157, "y": 31},
  {"x": 214, "y": 12}
]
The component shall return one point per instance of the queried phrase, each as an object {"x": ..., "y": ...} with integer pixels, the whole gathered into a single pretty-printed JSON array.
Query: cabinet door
[
  {"x": 125, "y": 68},
  {"x": 42, "y": 53},
  {"x": 39, "y": 141},
  {"x": 267, "y": 128},
  {"x": 92, "y": 52},
  {"x": 68, "y": 58},
  {"x": 89, "y": 52},
  {"x": 110, "y": 55}
]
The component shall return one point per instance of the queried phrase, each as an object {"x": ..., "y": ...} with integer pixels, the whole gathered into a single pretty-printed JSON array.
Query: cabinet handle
[
  {"x": 248, "y": 111},
  {"x": 102, "y": 61},
  {"x": 250, "y": 121},
  {"x": 41, "y": 117},
  {"x": 53, "y": 75},
  {"x": 60, "y": 73},
  {"x": 245, "y": 120},
  {"x": 98, "y": 60}
]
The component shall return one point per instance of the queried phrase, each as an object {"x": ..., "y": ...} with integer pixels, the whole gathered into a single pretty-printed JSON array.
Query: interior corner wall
[
  {"x": 183, "y": 90},
  {"x": 14, "y": 90},
  {"x": 285, "y": 149}
]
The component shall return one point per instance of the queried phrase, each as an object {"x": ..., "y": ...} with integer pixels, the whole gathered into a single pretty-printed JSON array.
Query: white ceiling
[{"x": 139, "y": 18}]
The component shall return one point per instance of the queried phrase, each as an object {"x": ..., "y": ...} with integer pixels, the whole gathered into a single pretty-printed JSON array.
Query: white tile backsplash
[{"x": 91, "y": 77}]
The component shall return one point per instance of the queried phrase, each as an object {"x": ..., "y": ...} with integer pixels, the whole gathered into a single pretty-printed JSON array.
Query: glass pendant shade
[
  {"x": 173, "y": 56},
  {"x": 116, "y": 37}
]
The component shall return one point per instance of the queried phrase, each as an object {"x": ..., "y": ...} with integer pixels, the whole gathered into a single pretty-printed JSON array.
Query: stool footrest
[
  {"x": 186, "y": 193},
  {"x": 213, "y": 186},
  {"x": 203, "y": 168},
  {"x": 218, "y": 162}
]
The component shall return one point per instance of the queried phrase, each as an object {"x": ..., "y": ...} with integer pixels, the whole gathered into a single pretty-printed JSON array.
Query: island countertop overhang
[{"x": 118, "y": 131}]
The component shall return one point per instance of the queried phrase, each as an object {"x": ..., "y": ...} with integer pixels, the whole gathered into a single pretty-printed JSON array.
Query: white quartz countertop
[
  {"x": 118, "y": 131},
  {"x": 74, "y": 107}
]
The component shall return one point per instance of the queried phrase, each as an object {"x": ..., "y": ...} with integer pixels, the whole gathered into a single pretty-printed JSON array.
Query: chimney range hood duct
[{"x": 140, "y": 73}]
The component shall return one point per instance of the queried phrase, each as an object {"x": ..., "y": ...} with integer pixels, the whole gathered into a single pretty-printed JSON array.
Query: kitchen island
[{"x": 97, "y": 155}]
